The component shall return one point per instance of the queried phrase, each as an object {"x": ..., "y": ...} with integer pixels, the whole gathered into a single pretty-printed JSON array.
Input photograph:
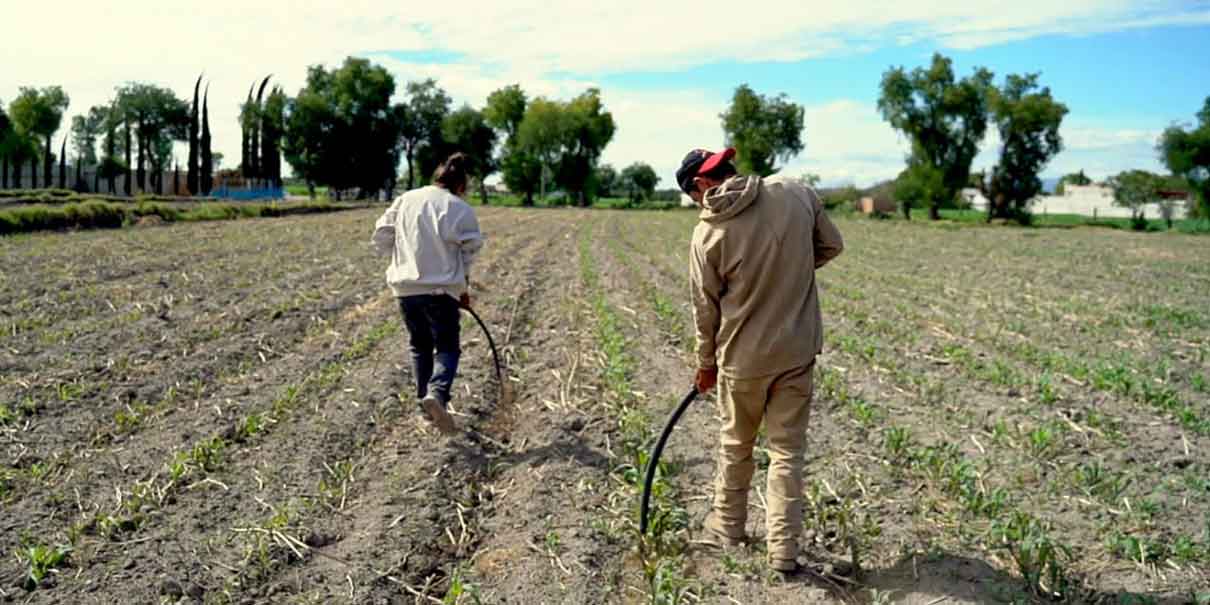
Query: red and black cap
[{"x": 698, "y": 162}]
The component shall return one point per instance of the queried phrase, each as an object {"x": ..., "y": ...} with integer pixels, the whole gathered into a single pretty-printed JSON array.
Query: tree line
[
  {"x": 136, "y": 131},
  {"x": 342, "y": 130},
  {"x": 946, "y": 119},
  {"x": 346, "y": 129}
]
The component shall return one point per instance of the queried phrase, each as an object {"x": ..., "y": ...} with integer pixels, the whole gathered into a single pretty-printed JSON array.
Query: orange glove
[{"x": 706, "y": 379}]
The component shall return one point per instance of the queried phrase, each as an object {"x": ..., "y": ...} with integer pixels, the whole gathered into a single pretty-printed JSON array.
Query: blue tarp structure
[{"x": 241, "y": 193}]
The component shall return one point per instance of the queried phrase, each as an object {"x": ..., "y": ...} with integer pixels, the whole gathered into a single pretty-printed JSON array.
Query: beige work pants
[{"x": 783, "y": 403}]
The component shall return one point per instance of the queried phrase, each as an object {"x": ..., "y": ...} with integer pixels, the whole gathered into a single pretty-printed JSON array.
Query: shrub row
[{"x": 96, "y": 214}]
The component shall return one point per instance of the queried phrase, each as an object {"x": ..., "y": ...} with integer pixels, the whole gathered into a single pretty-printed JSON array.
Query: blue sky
[
  {"x": 1123, "y": 77},
  {"x": 1121, "y": 88},
  {"x": 1125, "y": 68}
]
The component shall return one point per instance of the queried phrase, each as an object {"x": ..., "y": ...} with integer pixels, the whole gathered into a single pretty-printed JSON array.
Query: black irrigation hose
[
  {"x": 491, "y": 343},
  {"x": 654, "y": 460}
]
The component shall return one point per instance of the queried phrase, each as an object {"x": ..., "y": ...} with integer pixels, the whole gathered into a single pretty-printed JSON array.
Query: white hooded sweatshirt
[{"x": 432, "y": 236}]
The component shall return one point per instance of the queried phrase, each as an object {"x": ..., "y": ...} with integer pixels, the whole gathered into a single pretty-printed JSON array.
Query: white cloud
[
  {"x": 91, "y": 47},
  {"x": 1100, "y": 150},
  {"x": 848, "y": 142}
]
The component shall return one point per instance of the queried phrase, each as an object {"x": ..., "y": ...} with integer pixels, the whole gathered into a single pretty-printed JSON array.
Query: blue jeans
[{"x": 433, "y": 321}]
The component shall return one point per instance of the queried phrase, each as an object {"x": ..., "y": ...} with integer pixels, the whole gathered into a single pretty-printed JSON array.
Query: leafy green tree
[
  {"x": 467, "y": 130},
  {"x": 1028, "y": 120},
  {"x": 639, "y": 180},
  {"x": 85, "y": 131},
  {"x": 944, "y": 118},
  {"x": 560, "y": 141},
  {"x": 1167, "y": 186},
  {"x": 38, "y": 113},
  {"x": 1134, "y": 189},
  {"x": 920, "y": 184},
  {"x": 160, "y": 155},
  {"x": 311, "y": 129},
  {"x": 22, "y": 148},
  {"x": 608, "y": 183},
  {"x": 1186, "y": 152},
  {"x": 541, "y": 134},
  {"x": 1075, "y": 178},
  {"x": 420, "y": 128},
  {"x": 160, "y": 118},
  {"x": 505, "y": 109},
  {"x": 341, "y": 130},
  {"x": 520, "y": 170},
  {"x": 835, "y": 197},
  {"x": 111, "y": 165},
  {"x": 587, "y": 128},
  {"x": 763, "y": 130}
]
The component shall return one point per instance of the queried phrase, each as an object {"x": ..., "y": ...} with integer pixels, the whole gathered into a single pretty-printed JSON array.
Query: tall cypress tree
[
  {"x": 110, "y": 144},
  {"x": 191, "y": 169},
  {"x": 207, "y": 170},
  {"x": 254, "y": 147},
  {"x": 271, "y": 136},
  {"x": 129, "y": 189},
  {"x": 63, "y": 165},
  {"x": 245, "y": 169}
]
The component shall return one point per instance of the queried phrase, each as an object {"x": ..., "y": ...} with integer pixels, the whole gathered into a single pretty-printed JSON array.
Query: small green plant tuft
[
  {"x": 1040, "y": 559},
  {"x": 40, "y": 561}
]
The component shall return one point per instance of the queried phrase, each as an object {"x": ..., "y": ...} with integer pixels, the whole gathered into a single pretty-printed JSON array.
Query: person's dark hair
[
  {"x": 722, "y": 172},
  {"x": 451, "y": 173}
]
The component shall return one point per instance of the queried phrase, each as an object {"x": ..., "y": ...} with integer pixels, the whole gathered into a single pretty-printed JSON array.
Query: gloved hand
[{"x": 705, "y": 379}]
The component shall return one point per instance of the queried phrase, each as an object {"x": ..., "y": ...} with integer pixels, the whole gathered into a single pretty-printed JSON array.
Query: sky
[{"x": 1125, "y": 69}]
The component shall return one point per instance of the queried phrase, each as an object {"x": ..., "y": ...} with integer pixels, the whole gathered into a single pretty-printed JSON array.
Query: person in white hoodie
[{"x": 432, "y": 236}]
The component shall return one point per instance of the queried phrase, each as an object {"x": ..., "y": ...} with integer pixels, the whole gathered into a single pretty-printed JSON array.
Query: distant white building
[
  {"x": 974, "y": 198},
  {"x": 1097, "y": 200},
  {"x": 1086, "y": 200}
]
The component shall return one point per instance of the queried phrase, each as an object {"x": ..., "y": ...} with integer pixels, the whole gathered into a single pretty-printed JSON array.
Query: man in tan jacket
[{"x": 752, "y": 272}]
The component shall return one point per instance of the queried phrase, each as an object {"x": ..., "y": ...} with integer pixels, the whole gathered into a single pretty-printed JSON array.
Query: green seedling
[
  {"x": 865, "y": 413},
  {"x": 669, "y": 586},
  {"x": 1040, "y": 559},
  {"x": 898, "y": 442},
  {"x": 41, "y": 561},
  {"x": 1103, "y": 483},
  {"x": 1041, "y": 440}
]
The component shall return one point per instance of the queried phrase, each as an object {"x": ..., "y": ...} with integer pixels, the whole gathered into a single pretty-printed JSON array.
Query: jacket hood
[{"x": 729, "y": 199}]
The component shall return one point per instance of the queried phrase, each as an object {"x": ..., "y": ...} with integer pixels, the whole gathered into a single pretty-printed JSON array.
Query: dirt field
[{"x": 222, "y": 413}]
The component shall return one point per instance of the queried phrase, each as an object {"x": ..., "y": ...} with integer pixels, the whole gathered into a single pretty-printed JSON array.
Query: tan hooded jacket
[{"x": 752, "y": 273}]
